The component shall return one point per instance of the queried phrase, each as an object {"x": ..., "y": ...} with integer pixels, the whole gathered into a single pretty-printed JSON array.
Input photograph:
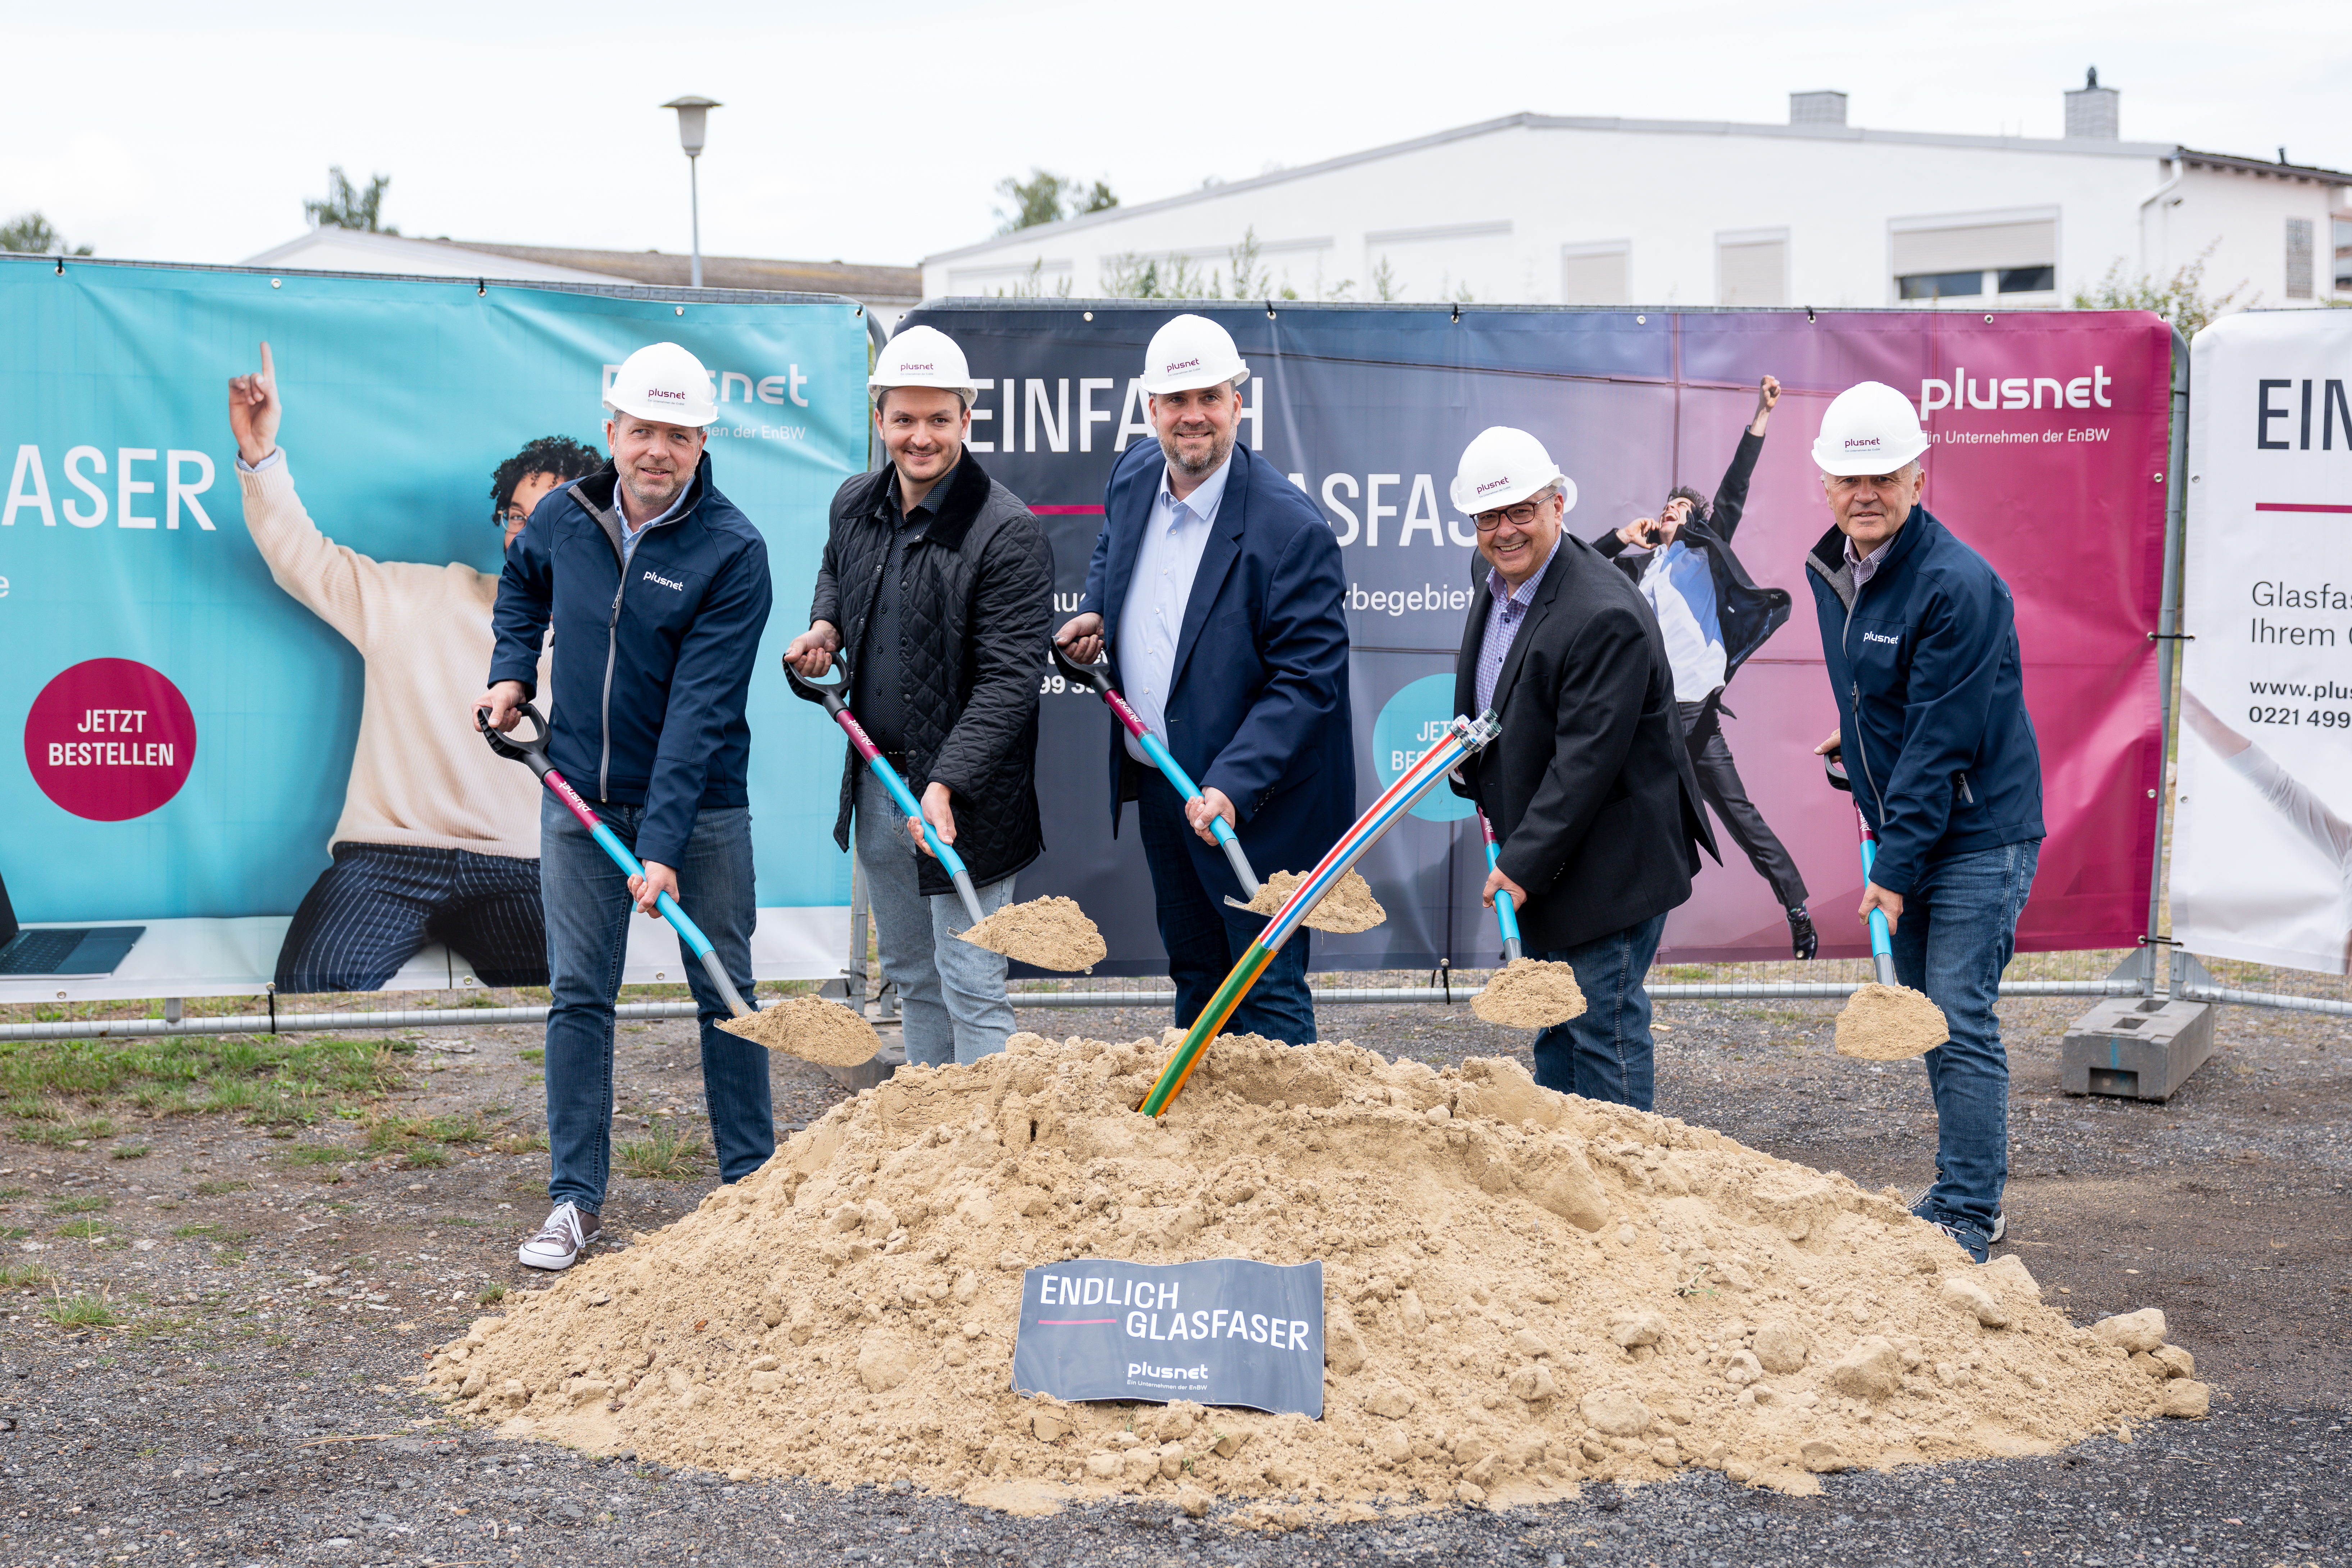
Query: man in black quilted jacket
[{"x": 937, "y": 584}]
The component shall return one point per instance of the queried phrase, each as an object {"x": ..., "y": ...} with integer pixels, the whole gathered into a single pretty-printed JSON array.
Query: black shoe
[{"x": 1801, "y": 935}]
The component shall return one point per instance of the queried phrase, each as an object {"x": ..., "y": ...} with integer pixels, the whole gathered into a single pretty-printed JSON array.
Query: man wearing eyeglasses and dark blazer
[{"x": 1589, "y": 787}]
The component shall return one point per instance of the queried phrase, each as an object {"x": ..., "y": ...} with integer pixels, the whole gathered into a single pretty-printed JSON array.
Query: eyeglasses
[{"x": 1517, "y": 516}]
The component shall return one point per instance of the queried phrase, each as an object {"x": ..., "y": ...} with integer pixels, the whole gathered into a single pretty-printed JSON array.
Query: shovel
[
  {"x": 1096, "y": 677},
  {"x": 1885, "y": 1021},
  {"x": 533, "y": 754},
  {"x": 1505, "y": 915},
  {"x": 1464, "y": 738},
  {"x": 832, "y": 696}
]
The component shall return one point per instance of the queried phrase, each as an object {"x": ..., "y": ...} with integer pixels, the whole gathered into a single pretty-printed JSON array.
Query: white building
[{"x": 1554, "y": 210}]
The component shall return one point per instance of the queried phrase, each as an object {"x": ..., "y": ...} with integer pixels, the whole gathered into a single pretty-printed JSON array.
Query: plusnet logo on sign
[{"x": 2016, "y": 391}]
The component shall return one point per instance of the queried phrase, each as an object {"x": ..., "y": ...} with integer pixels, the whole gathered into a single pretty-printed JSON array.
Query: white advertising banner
[{"x": 2261, "y": 852}]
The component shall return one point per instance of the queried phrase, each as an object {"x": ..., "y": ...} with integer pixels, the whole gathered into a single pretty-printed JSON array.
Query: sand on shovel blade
[
  {"x": 1888, "y": 1022},
  {"x": 825, "y": 1033},
  {"x": 1530, "y": 994},
  {"x": 1346, "y": 908},
  {"x": 1050, "y": 933}
]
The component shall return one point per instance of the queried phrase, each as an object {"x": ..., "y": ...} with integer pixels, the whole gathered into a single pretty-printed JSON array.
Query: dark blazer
[
  {"x": 1746, "y": 614},
  {"x": 979, "y": 595},
  {"x": 1589, "y": 787},
  {"x": 1258, "y": 707}
]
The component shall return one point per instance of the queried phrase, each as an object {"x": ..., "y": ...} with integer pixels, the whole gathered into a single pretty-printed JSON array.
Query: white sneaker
[{"x": 559, "y": 1241}]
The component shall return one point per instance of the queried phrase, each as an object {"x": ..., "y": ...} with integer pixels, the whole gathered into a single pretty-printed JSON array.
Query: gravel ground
[{"x": 251, "y": 1401}]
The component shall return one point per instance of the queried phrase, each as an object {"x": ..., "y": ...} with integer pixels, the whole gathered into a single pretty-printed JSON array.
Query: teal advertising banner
[{"x": 189, "y": 684}]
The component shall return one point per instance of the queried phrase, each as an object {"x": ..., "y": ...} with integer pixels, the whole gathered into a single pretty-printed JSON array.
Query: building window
[
  {"x": 2298, "y": 258},
  {"x": 1956, "y": 258},
  {"x": 2344, "y": 256},
  {"x": 1940, "y": 285},
  {"x": 1596, "y": 274},
  {"x": 1752, "y": 272}
]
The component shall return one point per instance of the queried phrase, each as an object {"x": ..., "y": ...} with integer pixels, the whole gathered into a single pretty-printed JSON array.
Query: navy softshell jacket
[{"x": 651, "y": 667}]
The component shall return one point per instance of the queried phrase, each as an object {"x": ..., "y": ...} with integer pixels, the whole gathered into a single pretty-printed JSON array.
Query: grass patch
[
  {"x": 662, "y": 1156},
  {"x": 215, "y": 1233},
  {"x": 536, "y": 1055},
  {"x": 85, "y": 1229},
  {"x": 54, "y": 1086},
  {"x": 132, "y": 1151},
  {"x": 520, "y": 1143},
  {"x": 13, "y": 1232},
  {"x": 80, "y": 1310},
  {"x": 87, "y": 1203},
  {"x": 17, "y": 1276},
  {"x": 65, "y": 1132},
  {"x": 425, "y": 1157},
  {"x": 489, "y": 1295},
  {"x": 216, "y": 1188},
  {"x": 8, "y": 1192},
  {"x": 315, "y": 1154}
]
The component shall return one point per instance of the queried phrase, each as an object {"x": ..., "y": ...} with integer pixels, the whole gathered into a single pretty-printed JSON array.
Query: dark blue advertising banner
[{"x": 1367, "y": 407}]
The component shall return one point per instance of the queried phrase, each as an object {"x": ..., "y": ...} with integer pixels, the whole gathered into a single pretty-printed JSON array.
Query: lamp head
[{"x": 693, "y": 112}]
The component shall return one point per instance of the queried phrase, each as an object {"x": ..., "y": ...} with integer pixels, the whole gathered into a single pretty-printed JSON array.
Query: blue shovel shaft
[
  {"x": 1505, "y": 915},
  {"x": 947, "y": 859},
  {"x": 1882, "y": 944},
  {"x": 1173, "y": 771}
]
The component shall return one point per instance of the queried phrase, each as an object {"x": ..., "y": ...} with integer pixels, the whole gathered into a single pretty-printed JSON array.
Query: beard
[
  {"x": 1220, "y": 446},
  {"x": 642, "y": 488}
]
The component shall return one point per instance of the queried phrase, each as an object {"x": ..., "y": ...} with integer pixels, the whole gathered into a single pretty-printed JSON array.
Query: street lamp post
[{"x": 693, "y": 112}]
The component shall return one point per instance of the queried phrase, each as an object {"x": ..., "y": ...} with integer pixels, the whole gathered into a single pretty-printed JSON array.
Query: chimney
[
  {"x": 1817, "y": 108},
  {"x": 2090, "y": 110}
]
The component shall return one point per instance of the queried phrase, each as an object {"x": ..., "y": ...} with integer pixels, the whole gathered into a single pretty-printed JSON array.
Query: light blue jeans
[
  {"x": 588, "y": 911},
  {"x": 1957, "y": 932},
  {"x": 950, "y": 993}
]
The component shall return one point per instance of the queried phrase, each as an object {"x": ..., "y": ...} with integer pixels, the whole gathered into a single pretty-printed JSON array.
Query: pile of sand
[
  {"x": 1530, "y": 994},
  {"x": 1888, "y": 1022},
  {"x": 1524, "y": 1291},
  {"x": 1346, "y": 908},
  {"x": 1051, "y": 934},
  {"x": 826, "y": 1033}
]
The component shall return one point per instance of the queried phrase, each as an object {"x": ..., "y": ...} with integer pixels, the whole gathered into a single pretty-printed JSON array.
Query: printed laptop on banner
[{"x": 80, "y": 952}]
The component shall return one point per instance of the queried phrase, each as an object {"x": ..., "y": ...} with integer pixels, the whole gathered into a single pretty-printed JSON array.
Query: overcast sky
[{"x": 877, "y": 133}]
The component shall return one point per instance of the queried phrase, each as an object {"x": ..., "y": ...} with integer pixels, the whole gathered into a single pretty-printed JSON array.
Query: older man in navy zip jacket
[
  {"x": 1218, "y": 588},
  {"x": 657, "y": 588},
  {"x": 1920, "y": 637}
]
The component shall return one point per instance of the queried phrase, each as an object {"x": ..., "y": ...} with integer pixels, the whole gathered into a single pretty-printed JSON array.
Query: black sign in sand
[{"x": 1223, "y": 1330}]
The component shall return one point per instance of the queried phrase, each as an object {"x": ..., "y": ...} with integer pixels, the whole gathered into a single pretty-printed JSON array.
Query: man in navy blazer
[{"x": 1218, "y": 588}]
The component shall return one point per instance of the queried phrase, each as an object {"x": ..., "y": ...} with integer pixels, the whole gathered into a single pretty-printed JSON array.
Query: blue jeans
[
  {"x": 588, "y": 915},
  {"x": 950, "y": 993},
  {"x": 1604, "y": 1052},
  {"x": 1206, "y": 936},
  {"x": 1958, "y": 932}
]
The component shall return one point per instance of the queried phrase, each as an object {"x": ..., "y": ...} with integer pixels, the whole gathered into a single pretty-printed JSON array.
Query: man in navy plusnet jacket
[
  {"x": 657, "y": 589},
  {"x": 1920, "y": 637},
  {"x": 1218, "y": 590}
]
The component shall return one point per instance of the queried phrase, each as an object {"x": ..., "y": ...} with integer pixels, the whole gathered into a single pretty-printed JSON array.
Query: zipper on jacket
[
  {"x": 612, "y": 647},
  {"x": 1965, "y": 794},
  {"x": 1845, "y": 646}
]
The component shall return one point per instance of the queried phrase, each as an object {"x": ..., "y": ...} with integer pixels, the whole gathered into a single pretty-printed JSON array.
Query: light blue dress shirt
[{"x": 1152, "y": 619}]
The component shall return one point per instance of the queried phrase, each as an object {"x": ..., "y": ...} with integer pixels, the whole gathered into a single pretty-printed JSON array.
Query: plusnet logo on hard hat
[
  {"x": 1192, "y": 363},
  {"x": 665, "y": 392},
  {"x": 906, "y": 366},
  {"x": 1854, "y": 441},
  {"x": 1492, "y": 484}
]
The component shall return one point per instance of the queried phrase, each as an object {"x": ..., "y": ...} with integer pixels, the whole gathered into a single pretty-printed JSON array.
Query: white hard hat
[
  {"x": 1869, "y": 429},
  {"x": 1502, "y": 467},
  {"x": 922, "y": 356},
  {"x": 1190, "y": 351},
  {"x": 664, "y": 382}
]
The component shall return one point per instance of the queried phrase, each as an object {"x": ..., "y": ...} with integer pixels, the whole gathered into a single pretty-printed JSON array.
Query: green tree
[
  {"x": 348, "y": 207},
  {"x": 30, "y": 233},
  {"x": 2181, "y": 300},
  {"x": 1047, "y": 197}
]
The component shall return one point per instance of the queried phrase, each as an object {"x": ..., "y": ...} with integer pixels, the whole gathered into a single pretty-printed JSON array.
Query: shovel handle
[
  {"x": 830, "y": 694},
  {"x": 1506, "y": 916},
  {"x": 1095, "y": 677},
  {"x": 1882, "y": 943}
]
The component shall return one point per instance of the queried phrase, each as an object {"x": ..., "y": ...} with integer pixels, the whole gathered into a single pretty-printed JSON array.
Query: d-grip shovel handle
[
  {"x": 533, "y": 752},
  {"x": 832, "y": 695},
  {"x": 1882, "y": 943},
  {"x": 1095, "y": 677},
  {"x": 1505, "y": 915}
]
